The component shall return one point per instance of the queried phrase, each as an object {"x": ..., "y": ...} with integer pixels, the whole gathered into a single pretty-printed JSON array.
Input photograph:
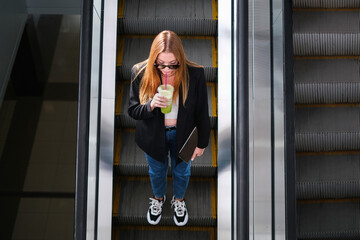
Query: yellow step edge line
[
  {"x": 120, "y": 97},
  {"x": 117, "y": 149},
  {"x": 121, "y": 8},
  {"x": 120, "y": 51},
  {"x": 327, "y": 153},
  {"x": 212, "y": 234},
  {"x": 116, "y": 198},
  {"x": 214, "y": 52},
  {"x": 213, "y": 199},
  {"x": 325, "y": 57},
  {"x": 328, "y": 105},
  {"x": 213, "y": 98},
  {"x": 215, "y": 9},
  {"x": 115, "y": 234},
  {"x": 327, "y": 201},
  {"x": 129, "y": 129},
  {"x": 165, "y": 228},
  {"x": 213, "y": 149},
  {"x": 325, "y": 9},
  {"x": 118, "y": 102}
]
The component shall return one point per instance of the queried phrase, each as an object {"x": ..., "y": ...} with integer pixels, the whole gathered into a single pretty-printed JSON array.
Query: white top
[{"x": 174, "y": 110}]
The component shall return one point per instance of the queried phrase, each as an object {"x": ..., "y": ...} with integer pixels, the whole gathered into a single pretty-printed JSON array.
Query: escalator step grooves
[
  {"x": 326, "y": 4},
  {"x": 182, "y": 26},
  {"x": 326, "y": 44},
  {"x": 330, "y": 175},
  {"x": 133, "y": 202},
  {"x": 161, "y": 232},
  {"x": 327, "y": 93},
  {"x": 327, "y": 141},
  {"x": 330, "y": 220},
  {"x": 328, "y": 189}
]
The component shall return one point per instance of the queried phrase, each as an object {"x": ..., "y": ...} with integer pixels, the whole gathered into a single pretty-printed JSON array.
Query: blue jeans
[{"x": 158, "y": 170}]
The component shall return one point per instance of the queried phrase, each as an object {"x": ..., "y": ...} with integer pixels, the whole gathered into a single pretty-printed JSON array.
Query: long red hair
[{"x": 166, "y": 41}]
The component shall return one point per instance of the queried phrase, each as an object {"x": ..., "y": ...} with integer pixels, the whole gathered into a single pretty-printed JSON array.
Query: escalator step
[
  {"x": 131, "y": 201},
  {"x": 335, "y": 33},
  {"x": 326, "y": 4},
  {"x": 183, "y": 17},
  {"x": 130, "y": 159},
  {"x": 132, "y": 49},
  {"x": 122, "y": 119},
  {"x": 328, "y": 175},
  {"x": 327, "y": 80},
  {"x": 339, "y": 219},
  {"x": 163, "y": 232},
  {"x": 326, "y": 128}
]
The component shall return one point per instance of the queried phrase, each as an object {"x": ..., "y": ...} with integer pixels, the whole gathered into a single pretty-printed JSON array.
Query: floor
[{"x": 38, "y": 141}]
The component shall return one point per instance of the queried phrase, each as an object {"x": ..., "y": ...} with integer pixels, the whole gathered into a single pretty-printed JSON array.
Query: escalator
[
  {"x": 138, "y": 23},
  {"x": 327, "y": 116}
]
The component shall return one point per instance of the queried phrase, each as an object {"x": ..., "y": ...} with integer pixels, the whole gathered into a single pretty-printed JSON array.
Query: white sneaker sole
[
  {"x": 182, "y": 223},
  {"x": 151, "y": 221}
]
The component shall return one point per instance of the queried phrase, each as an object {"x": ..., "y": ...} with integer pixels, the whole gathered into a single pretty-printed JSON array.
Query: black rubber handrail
[
  {"x": 242, "y": 118},
  {"x": 289, "y": 96},
  {"x": 83, "y": 121}
]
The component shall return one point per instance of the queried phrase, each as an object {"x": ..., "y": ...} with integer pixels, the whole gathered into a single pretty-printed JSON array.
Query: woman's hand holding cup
[{"x": 159, "y": 101}]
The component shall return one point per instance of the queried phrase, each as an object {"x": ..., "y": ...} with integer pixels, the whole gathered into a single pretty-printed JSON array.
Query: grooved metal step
[
  {"x": 331, "y": 175},
  {"x": 131, "y": 201},
  {"x": 326, "y": 4},
  {"x": 321, "y": 129},
  {"x": 130, "y": 159},
  {"x": 122, "y": 119},
  {"x": 134, "y": 49},
  {"x": 164, "y": 232},
  {"x": 329, "y": 219},
  {"x": 323, "y": 80},
  {"x": 185, "y": 17},
  {"x": 335, "y": 33}
]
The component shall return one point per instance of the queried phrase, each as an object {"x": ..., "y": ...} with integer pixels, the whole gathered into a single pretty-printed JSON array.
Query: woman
[{"x": 159, "y": 134}]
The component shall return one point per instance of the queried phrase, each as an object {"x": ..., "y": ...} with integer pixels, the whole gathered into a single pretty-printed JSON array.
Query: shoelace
[
  {"x": 156, "y": 206},
  {"x": 179, "y": 207}
]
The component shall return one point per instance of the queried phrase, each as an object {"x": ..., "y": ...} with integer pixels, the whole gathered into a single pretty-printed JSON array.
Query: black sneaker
[
  {"x": 180, "y": 212},
  {"x": 155, "y": 209}
]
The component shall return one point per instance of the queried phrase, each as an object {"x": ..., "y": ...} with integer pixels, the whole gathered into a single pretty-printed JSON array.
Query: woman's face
[{"x": 167, "y": 59}]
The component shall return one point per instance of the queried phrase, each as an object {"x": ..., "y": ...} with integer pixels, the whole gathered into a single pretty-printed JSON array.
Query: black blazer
[{"x": 150, "y": 127}]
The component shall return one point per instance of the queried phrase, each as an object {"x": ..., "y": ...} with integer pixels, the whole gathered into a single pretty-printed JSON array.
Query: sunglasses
[{"x": 161, "y": 66}]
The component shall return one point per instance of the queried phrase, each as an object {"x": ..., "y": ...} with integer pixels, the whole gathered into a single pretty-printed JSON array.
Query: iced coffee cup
[{"x": 168, "y": 93}]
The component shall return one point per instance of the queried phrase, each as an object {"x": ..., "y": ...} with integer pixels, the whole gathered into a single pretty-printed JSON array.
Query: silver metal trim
[
  {"x": 225, "y": 76},
  {"x": 93, "y": 127},
  {"x": 106, "y": 151},
  {"x": 279, "y": 124},
  {"x": 260, "y": 148}
]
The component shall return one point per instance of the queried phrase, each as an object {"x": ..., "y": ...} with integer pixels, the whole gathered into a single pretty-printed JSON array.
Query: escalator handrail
[{"x": 83, "y": 121}]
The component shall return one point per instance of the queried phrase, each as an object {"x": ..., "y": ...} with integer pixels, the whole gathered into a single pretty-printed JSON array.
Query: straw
[{"x": 165, "y": 80}]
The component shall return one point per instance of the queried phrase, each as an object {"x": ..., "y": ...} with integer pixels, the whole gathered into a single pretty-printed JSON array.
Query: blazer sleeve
[
  {"x": 202, "y": 112},
  {"x": 137, "y": 110}
]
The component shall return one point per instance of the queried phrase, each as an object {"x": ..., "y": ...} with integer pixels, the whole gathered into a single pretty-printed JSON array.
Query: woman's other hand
[
  {"x": 159, "y": 101},
  {"x": 197, "y": 153}
]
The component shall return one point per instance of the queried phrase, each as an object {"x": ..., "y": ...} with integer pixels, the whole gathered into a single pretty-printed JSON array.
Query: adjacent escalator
[{"x": 327, "y": 116}]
